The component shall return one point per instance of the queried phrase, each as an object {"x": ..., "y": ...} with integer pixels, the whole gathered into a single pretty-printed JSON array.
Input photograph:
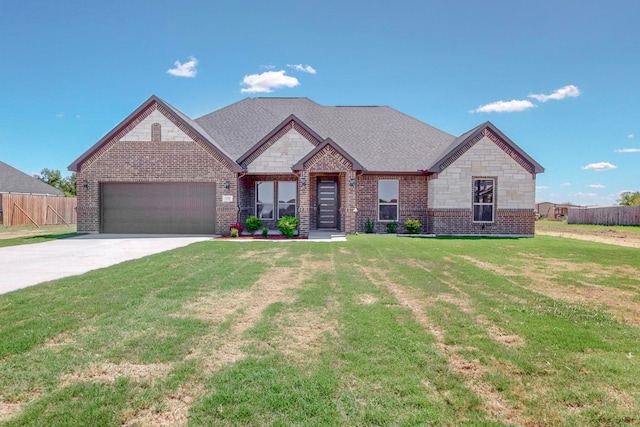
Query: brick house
[{"x": 159, "y": 171}]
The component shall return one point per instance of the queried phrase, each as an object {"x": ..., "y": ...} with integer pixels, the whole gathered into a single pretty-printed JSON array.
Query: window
[
  {"x": 388, "y": 200},
  {"x": 286, "y": 198},
  {"x": 266, "y": 195},
  {"x": 483, "y": 200},
  {"x": 264, "y": 200}
]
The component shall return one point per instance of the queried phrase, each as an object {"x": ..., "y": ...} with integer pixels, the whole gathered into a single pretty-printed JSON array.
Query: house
[
  {"x": 159, "y": 171},
  {"x": 27, "y": 200},
  {"x": 14, "y": 181},
  {"x": 554, "y": 210}
]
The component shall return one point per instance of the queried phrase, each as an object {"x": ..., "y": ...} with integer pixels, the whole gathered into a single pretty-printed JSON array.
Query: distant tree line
[
  {"x": 54, "y": 178},
  {"x": 629, "y": 198}
]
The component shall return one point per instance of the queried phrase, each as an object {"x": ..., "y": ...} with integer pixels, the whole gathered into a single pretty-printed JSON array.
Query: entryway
[{"x": 327, "y": 201}]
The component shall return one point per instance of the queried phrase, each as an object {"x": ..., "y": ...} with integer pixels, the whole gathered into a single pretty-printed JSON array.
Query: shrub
[
  {"x": 265, "y": 232},
  {"x": 391, "y": 227},
  {"x": 237, "y": 226},
  {"x": 234, "y": 232},
  {"x": 369, "y": 226},
  {"x": 287, "y": 225},
  {"x": 412, "y": 225},
  {"x": 252, "y": 224}
]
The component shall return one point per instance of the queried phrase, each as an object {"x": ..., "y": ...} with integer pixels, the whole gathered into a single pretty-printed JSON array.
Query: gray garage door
[{"x": 158, "y": 208}]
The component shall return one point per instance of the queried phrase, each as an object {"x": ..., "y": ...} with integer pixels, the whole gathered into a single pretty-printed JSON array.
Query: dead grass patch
[
  {"x": 495, "y": 406},
  {"x": 173, "y": 410},
  {"x": 9, "y": 410},
  {"x": 497, "y": 334},
  {"x": 544, "y": 276},
  {"x": 303, "y": 334},
  {"x": 110, "y": 372},
  {"x": 368, "y": 299}
]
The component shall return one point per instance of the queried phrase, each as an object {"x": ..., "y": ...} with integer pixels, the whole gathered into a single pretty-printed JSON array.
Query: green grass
[
  {"x": 378, "y": 330},
  {"x": 27, "y": 234}
]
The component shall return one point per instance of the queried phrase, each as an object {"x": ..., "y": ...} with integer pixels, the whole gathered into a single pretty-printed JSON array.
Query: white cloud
[
  {"x": 627, "y": 150},
  {"x": 596, "y": 185},
  {"x": 268, "y": 81},
  {"x": 565, "y": 184},
  {"x": 304, "y": 68},
  {"x": 600, "y": 166},
  {"x": 542, "y": 187},
  {"x": 630, "y": 136},
  {"x": 564, "y": 92},
  {"x": 188, "y": 69},
  {"x": 582, "y": 195},
  {"x": 505, "y": 106}
]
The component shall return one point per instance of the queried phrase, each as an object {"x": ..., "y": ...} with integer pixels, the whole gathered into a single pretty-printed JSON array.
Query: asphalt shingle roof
[
  {"x": 14, "y": 181},
  {"x": 378, "y": 137}
]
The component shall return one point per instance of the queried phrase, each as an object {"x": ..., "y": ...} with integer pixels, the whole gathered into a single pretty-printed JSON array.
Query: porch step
[{"x": 327, "y": 235}]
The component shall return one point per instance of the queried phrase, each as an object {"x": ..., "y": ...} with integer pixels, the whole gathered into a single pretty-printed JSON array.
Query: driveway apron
[{"x": 27, "y": 265}]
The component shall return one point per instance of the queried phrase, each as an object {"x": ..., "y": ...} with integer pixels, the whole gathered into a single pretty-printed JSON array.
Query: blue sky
[{"x": 560, "y": 78}]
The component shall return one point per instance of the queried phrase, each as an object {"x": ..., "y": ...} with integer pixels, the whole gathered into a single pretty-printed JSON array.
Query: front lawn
[{"x": 377, "y": 330}]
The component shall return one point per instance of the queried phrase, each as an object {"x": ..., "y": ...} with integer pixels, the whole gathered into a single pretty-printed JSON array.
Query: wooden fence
[
  {"x": 611, "y": 215},
  {"x": 37, "y": 209}
]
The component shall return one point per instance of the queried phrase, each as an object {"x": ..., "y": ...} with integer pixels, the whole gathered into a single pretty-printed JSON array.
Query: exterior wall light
[
  {"x": 303, "y": 182},
  {"x": 352, "y": 183},
  {"x": 85, "y": 185},
  {"x": 227, "y": 185}
]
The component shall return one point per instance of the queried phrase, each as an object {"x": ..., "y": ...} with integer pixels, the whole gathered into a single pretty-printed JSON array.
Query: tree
[
  {"x": 629, "y": 198},
  {"x": 54, "y": 178}
]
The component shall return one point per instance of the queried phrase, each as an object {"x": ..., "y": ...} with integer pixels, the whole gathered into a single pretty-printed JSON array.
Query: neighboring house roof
[
  {"x": 14, "y": 181},
  {"x": 190, "y": 124}
]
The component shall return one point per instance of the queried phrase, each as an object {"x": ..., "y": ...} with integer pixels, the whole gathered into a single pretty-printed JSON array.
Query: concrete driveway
[{"x": 28, "y": 265}]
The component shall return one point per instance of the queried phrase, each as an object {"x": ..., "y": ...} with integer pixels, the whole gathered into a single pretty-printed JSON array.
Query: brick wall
[
  {"x": 182, "y": 158},
  {"x": 519, "y": 222},
  {"x": 412, "y": 202}
]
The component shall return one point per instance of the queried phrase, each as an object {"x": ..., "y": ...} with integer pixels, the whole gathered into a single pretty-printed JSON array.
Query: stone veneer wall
[
  {"x": 282, "y": 154},
  {"x": 174, "y": 156},
  {"x": 451, "y": 192}
]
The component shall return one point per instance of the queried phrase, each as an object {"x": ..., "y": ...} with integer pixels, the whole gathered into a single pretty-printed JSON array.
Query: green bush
[
  {"x": 369, "y": 226},
  {"x": 252, "y": 224},
  {"x": 412, "y": 225},
  {"x": 265, "y": 232},
  {"x": 391, "y": 227},
  {"x": 287, "y": 225},
  {"x": 234, "y": 232}
]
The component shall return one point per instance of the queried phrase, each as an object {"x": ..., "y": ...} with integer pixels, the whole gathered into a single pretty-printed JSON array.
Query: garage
[{"x": 158, "y": 208}]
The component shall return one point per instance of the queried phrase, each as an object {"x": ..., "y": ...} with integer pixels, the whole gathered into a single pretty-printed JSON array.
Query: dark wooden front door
[{"x": 327, "y": 203}]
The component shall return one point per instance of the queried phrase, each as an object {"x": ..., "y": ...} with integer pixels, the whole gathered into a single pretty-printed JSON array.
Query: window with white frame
[
  {"x": 483, "y": 199},
  {"x": 267, "y": 192},
  {"x": 388, "y": 190}
]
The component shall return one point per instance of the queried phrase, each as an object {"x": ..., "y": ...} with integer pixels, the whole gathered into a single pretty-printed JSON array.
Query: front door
[{"x": 327, "y": 203}]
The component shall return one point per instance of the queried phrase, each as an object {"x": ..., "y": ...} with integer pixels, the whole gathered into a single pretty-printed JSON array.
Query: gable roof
[
  {"x": 460, "y": 142},
  {"x": 14, "y": 181},
  {"x": 320, "y": 147},
  {"x": 379, "y": 138},
  {"x": 186, "y": 121}
]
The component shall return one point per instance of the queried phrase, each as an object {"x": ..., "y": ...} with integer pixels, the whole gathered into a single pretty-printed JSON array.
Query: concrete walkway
[{"x": 27, "y": 265}]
